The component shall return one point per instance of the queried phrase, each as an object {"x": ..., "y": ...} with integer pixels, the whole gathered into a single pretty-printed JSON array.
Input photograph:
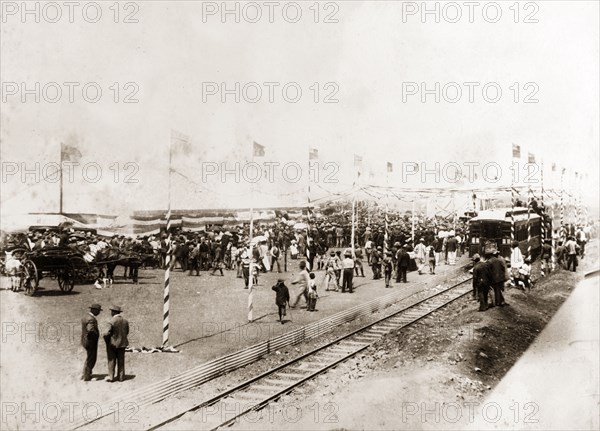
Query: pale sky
[{"x": 368, "y": 54}]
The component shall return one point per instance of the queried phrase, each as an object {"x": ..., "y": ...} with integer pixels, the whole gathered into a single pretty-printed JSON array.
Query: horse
[
  {"x": 12, "y": 267},
  {"x": 111, "y": 257}
]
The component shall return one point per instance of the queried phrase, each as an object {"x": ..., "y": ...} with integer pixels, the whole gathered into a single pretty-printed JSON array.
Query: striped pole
[
  {"x": 167, "y": 279},
  {"x": 528, "y": 221},
  {"x": 386, "y": 235},
  {"x": 168, "y": 257},
  {"x": 251, "y": 267},
  {"x": 543, "y": 224},
  {"x": 562, "y": 203},
  {"x": 412, "y": 235},
  {"x": 513, "y": 194},
  {"x": 579, "y": 203}
]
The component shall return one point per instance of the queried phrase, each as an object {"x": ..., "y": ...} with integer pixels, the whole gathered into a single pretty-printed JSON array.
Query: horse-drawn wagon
[{"x": 64, "y": 264}]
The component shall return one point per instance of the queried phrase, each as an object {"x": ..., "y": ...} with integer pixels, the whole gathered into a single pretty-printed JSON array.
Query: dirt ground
[
  {"x": 208, "y": 319},
  {"x": 454, "y": 356},
  {"x": 431, "y": 375}
]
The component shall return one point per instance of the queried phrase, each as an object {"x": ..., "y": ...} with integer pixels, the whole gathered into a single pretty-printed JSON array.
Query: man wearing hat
[
  {"x": 348, "y": 274},
  {"x": 403, "y": 262},
  {"x": 421, "y": 254},
  {"x": 481, "y": 282},
  {"x": 497, "y": 268},
  {"x": 376, "y": 258},
  {"x": 282, "y": 297},
  {"x": 115, "y": 336},
  {"x": 388, "y": 267},
  {"x": 89, "y": 340}
]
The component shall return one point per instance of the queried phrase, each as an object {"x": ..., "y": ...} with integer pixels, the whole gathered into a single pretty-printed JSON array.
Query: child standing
[
  {"x": 282, "y": 297},
  {"x": 431, "y": 255},
  {"x": 388, "y": 267},
  {"x": 312, "y": 292}
]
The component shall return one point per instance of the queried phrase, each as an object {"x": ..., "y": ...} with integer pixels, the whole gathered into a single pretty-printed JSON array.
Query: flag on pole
[
  {"x": 530, "y": 158},
  {"x": 259, "y": 150},
  {"x": 313, "y": 154},
  {"x": 553, "y": 167},
  {"x": 390, "y": 167},
  {"x": 358, "y": 164},
  {"x": 516, "y": 151},
  {"x": 69, "y": 153},
  {"x": 180, "y": 144}
]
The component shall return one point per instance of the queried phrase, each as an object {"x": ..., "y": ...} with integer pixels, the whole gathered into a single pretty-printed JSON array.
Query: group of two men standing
[
  {"x": 114, "y": 334},
  {"x": 486, "y": 274}
]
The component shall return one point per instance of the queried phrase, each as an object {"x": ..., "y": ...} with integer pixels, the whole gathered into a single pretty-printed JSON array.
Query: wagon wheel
[
  {"x": 66, "y": 279},
  {"x": 81, "y": 269},
  {"x": 29, "y": 277}
]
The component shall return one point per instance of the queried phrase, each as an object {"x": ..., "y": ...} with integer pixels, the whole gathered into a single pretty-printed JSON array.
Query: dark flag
[
  {"x": 69, "y": 153},
  {"x": 259, "y": 150},
  {"x": 390, "y": 167},
  {"x": 530, "y": 158},
  {"x": 516, "y": 151},
  {"x": 180, "y": 144},
  {"x": 357, "y": 161}
]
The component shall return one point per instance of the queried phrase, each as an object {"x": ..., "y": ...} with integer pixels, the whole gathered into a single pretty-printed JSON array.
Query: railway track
[{"x": 257, "y": 392}]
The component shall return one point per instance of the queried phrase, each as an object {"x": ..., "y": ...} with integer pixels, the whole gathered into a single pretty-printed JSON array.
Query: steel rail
[{"x": 431, "y": 306}]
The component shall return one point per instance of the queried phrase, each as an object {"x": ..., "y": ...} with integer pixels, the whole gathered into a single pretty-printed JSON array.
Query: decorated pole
[
  {"x": 165, "y": 337},
  {"x": 578, "y": 185},
  {"x": 353, "y": 221},
  {"x": 412, "y": 232},
  {"x": 513, "y": 194},
  {"x": 553, "y": 263},
  {"x": 358, "y": 167},
  {"x": 562, "y": 203},
  {"x": 257, "y": 151},
  {"x": 516, "y": 154},
  {"x": 251, "y": 267},
  {"x": 529, "y": 221},
  {"x": 313, "y": 154},
  {"x": 386, "y": 234},
  {"x": 543, "y": 215},
  {"x": 454, "y": 212}
]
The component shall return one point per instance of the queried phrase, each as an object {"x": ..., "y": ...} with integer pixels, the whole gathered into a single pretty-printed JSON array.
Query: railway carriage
[{"x": 491, "y": 230}]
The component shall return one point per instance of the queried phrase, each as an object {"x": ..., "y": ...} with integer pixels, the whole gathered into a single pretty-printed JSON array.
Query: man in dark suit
[
  {"x": 89, "y": 340},
  {"x": 481, "y": 282},
  {"x": 115, "y": 336},
  {"x": 403, "y": 262},
  {"x": 498, "y": 277}
]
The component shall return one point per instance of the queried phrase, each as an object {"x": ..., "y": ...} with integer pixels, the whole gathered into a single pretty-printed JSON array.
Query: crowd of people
[
  {"x": 217, "y": 248},
  {"x": 493, "y": 272}
]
